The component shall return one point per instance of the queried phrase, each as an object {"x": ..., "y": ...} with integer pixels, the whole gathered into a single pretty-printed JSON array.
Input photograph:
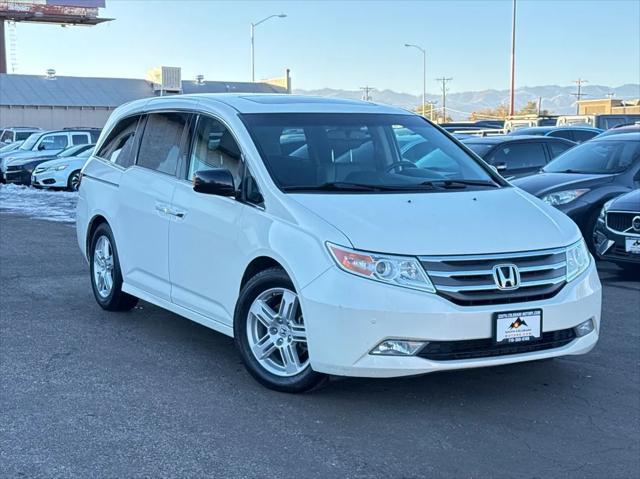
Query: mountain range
[{"x": 556, "y": 99}]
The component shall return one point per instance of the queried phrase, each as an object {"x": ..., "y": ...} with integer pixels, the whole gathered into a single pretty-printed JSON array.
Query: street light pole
[
  {"x": 512, "y": 93},
  {"x": 253, "y": 57},
  {"x": 424, "y": 76}
]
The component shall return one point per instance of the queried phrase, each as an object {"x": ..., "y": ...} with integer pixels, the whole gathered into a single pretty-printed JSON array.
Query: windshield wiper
[
  {"x": 334, "y": 186},
  {"x": 566, "y": 171},
  {"x": 356, "y": 187},
  {"x": 459, "y": 184}
]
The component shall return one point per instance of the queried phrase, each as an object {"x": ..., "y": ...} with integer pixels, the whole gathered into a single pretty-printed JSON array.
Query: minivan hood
[
  {"x": 544, "y": 183},
  {"x": 461, "y": 222}
]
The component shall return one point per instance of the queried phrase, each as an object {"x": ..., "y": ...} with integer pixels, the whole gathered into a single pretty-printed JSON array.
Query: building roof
[{"x": 37, "y": 90}]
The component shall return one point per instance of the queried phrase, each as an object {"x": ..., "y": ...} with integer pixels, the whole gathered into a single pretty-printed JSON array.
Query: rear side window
[
  {"x": 566, "y": 134},
  {"x": 119, "y": 145},
  {"x": 80, "y": 139},
  {"x": 161, "y": 142},
  {"x": 557, "y": 148},
  {"x": 583, "y": 135},
  {"x": 23, "y": 135},
  {"x": 6, "y": 136},
  {"x": 519, "y": 155}
]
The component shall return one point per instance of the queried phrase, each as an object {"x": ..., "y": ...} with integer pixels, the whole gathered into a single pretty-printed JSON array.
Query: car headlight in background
[
  {"x": 578, "y": 259},
  {"x": 604, "y": 209},
  {"x": 563, "y": 197},
  {"x": 397, "y": 270},
  {"x": 61, "y": 167}
]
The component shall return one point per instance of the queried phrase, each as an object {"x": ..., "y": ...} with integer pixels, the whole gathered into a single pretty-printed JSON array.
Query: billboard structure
[{"x": 61, "y": 12}]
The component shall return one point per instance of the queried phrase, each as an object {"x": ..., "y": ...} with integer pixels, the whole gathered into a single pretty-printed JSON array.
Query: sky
[{"x": 350, "y": 44}]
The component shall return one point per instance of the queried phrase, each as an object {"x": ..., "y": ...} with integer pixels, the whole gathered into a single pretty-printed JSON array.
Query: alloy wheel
[
  {"x": 276, "y": 332},
  {"x": 103, "y": 266}
]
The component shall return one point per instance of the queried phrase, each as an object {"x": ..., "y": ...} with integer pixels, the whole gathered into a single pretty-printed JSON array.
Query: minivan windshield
[
  {"x": 352, "y": 152},
  {"x": 597, "y": 157}
]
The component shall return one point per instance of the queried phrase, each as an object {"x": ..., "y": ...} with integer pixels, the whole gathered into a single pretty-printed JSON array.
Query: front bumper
[
  {"x": 611, "y": 246},
  {"x": 50, "y": 179},
  {"x": 19, "y": 177},
  {"x": 347, "y": 316}
]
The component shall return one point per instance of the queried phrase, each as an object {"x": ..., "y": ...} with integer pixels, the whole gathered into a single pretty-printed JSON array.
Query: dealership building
[{"x": 50, "y": 101}]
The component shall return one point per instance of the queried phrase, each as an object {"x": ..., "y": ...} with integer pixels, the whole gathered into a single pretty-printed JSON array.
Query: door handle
[{"x": 163, "y": 209}]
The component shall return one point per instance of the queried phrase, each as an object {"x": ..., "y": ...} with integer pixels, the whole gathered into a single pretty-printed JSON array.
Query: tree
[{"x": 502, "y": 111}]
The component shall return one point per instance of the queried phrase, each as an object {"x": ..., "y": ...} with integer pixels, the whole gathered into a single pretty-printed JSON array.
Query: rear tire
[
  {"x": 270, "y": 335},
  {"x": 106, "y": 276}
]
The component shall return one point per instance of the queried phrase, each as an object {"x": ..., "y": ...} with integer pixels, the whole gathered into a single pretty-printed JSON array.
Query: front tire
[
  {"x": 106, "y": 276},
  {"x": 73, "y": 183},
  {"x": 270, "y": 334}
]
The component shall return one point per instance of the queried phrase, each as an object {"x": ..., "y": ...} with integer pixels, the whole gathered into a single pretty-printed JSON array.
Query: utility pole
[
  {"x": 366, "y": 90},
  {"x": 579, "y": 93},
  {"x": 444, "y": 81},
  {"x": 512, "y": 94}
]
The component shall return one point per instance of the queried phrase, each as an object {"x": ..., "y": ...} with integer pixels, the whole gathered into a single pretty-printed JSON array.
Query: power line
[
  {"x": 579, "y": 93},
  {"x": 444, "y": 81}
]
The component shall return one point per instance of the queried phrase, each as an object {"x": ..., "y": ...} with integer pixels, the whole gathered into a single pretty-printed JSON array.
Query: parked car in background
[
  {"x": 48, "y": 143},
  {"x": 19, "y": 171},
  {"x": 516, "y": 156},
  {"x": 634, "y": 128},
  {"x": 16, "y": 133},
  {"x": 583, "y": 179},
  {"x": 617, "y": 234},
  {"x": 529, "y": 121},
  {"x": 604, "y": 122},
  {"x": 64, "y": 171},
  {"x": 10, "y": 147},
  {"x": 339, "y": 257},
  {"x": 577, "y": 134}
]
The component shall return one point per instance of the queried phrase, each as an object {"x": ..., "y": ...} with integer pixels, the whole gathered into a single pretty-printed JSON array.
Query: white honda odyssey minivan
[{"x": 330, "y": 237}]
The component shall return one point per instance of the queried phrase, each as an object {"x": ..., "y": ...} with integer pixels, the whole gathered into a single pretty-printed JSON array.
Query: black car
[
  {"x": 516, "y": 156},
  {"x": 19, "y": 171},
  {"x": 617, "y": 234},
  {"x": 583, "y": 179},
  {"x": 577, "y": 134}
]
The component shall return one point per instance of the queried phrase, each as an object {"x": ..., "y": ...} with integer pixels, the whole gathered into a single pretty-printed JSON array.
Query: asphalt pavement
[{"x": 87, "y": 393}]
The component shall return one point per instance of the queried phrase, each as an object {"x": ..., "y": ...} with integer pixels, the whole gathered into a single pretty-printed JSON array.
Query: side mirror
[
  {"x": 217, "y": 181},
  {"x": 501, "y": 166},
  {"x": 41, "y": 147}
]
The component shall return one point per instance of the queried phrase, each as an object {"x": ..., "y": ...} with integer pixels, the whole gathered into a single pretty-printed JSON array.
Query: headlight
[
  {"x": 563, "y": 197},
  {"x": 61, "y": 167},
  {"x": 604, "y": 209},
  {"x": 397, "y": 270},
  {"x": 578, "y": 259}
]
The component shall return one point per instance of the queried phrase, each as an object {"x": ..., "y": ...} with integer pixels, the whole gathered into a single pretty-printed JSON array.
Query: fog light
[
  {"x": 585, "y": 328},
  {"x": 398, "y": 347}
]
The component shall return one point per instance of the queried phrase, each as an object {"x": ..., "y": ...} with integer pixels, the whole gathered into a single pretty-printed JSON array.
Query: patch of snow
[{"x": 49, "y": 205}]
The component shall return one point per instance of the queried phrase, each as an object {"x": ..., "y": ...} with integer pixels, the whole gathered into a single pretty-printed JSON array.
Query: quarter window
[
  {"x": 214, "y": 147},
  {"x": 161, "y": 142},
  {"x": 119, "y": 145},
  {"x": 557, "y": 148}
]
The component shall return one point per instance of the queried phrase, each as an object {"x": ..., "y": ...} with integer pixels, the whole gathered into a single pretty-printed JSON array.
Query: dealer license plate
[
  {"x": 517, "y": 326},
  {"x": 632, "y": 245}
]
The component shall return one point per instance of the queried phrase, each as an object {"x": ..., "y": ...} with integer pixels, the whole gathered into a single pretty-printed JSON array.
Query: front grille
[
  {"x": 468, "y": 280},
  {"x": 486, "y": 348},
  {"x": 621, "y": 222}
]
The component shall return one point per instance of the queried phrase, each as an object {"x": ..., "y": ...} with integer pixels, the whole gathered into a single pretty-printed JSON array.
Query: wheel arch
[
  {"x": 96, "y": 221},
  {"x": 257, "y": 265}
]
